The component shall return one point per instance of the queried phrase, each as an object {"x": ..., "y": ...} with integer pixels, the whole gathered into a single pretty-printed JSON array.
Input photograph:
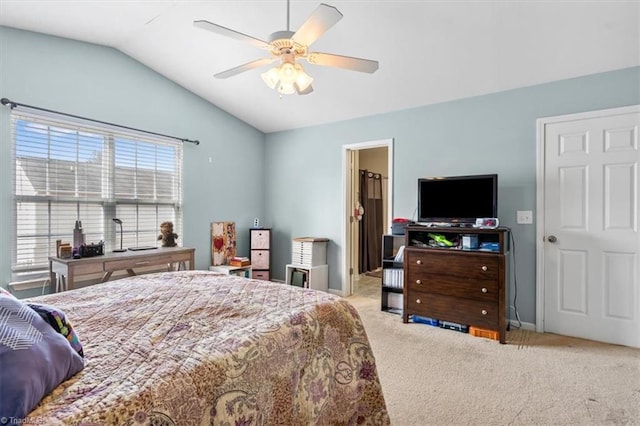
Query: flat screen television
[{"x": 457, "y": 200}]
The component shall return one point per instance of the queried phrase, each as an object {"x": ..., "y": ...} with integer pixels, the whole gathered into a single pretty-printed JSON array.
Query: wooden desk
[{"x": 106, "y": 264}]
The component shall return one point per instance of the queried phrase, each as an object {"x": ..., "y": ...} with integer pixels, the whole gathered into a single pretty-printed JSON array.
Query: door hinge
[{"x": 350, "y": 271}]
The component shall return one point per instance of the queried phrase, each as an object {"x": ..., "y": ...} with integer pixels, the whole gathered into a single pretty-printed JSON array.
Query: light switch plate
[{"x": 524, "y": 217}]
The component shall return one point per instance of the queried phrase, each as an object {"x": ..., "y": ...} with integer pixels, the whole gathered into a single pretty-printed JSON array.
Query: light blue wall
[
  {"x": 299, "y": 172},
  {"x": 486, "y": 134},
  {"x": 102, "y": 83}
]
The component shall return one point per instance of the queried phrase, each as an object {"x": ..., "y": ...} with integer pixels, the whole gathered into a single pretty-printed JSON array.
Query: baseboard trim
[{"x": 522, "y": 326}]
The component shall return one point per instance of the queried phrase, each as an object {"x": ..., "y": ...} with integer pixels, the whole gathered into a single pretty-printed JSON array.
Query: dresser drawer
[
  {"x": 446, "y": 308},
  {"x": 471, "y": 288},
  {"x": 453, "y": 263}
]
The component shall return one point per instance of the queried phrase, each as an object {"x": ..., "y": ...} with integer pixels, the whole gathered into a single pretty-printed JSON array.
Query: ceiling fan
[{"x": 287, "y": 47}]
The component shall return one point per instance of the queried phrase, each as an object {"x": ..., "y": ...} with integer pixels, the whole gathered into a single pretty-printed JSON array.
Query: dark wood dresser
[{"x": 462, "y": 283}]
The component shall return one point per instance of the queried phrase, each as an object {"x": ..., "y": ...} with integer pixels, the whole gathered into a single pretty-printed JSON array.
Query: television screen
[{"x": 457, "y": 199}]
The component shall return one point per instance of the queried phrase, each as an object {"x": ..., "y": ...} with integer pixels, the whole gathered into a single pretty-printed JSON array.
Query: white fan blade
[
  {"x": 218, "y": 29},
  {"x": 346, "y": 62},
  {"x": 306, "y": 91},
  {"x": 245, "y": 67},
  {"x": 323, "y": 18}
]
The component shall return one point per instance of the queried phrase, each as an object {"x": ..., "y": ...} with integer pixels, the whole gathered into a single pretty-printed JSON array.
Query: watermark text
[{"x": 23, "y": 421}]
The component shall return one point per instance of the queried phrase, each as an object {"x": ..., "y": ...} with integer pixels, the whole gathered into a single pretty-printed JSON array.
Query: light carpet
[
  {"x": 375, "y": 274},
  {"x": 433, "y": 376}
]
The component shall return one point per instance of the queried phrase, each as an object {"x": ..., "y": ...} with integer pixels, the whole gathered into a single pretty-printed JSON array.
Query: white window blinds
[{"x": 67, "y": 170}]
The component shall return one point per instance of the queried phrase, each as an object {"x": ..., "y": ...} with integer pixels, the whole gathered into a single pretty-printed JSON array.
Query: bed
[{"x": 197, "y": 347}]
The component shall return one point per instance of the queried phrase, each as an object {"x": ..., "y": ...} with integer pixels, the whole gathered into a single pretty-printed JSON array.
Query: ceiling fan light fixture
[
  {"x": 271, "y": 77},
  {"x": 288, "y": 46},
  {"x": 286, "y": 89},
  {"x": 303, "y": 80},
  {"x": 288, "y": 73},
  {"x": 289, "y": 78}
]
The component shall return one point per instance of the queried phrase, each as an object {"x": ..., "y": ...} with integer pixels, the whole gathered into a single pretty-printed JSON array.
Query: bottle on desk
[
  {"x": 78, "y": 238},
  {"x": 78, "y": 235}
]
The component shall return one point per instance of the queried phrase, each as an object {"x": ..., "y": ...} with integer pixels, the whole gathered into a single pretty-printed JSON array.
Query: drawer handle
[
  {"x": 418, "y": 282},
  {"x": 484, "y": 289},
  {"x": 419, "y": 262},
  {"x": 418, "y": 301},
  {"x": 142, "y": 263},
  {"x": 484, "y": 312},
  {"x": 484, "y": 268}
]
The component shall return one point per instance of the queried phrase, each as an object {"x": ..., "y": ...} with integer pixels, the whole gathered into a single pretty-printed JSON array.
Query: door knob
[{"x": 552, "y": 238}]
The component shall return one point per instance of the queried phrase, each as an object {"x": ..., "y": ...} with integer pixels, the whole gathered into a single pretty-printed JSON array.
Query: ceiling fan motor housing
[{"x": 281, "y": 43}]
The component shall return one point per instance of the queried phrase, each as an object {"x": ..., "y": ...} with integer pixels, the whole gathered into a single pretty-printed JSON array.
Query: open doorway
[{"x": 365, "y": 203}]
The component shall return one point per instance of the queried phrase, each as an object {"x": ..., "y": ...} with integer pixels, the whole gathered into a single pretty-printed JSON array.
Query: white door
[
  {"x": 355, "y": 228},
  {"x": 590, "y": 235}
]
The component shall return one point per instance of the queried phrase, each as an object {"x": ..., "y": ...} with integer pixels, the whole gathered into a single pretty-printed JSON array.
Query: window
[{"x": 67, "y": 170}]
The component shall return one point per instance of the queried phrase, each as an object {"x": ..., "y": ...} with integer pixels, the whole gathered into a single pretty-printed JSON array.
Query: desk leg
[
  {"x": 68, "y": 283},
  {"x": 53, "y": 279}
]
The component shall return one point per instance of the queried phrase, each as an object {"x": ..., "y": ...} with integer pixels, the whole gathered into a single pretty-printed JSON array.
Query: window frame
[{"x": 167, "y": 164}]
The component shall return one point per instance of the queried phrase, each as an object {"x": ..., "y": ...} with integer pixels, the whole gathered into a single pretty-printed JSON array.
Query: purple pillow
[
  {"x": 34, "y": 359},
  {"x": 57, "y": 319}
]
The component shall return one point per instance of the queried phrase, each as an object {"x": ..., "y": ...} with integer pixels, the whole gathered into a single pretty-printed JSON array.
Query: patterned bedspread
[{"x": 199, "y": 348}]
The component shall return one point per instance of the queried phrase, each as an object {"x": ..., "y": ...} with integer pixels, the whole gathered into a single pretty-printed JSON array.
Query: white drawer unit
[
  {"x": 309, "y": 251},
  {"x": 308, "y": 267}
]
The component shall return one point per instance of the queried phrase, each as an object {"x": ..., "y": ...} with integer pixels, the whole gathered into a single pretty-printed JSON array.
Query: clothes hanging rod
[{"x": 13, "y": 105}]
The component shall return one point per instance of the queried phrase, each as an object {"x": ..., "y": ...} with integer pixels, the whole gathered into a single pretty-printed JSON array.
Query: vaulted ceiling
[{"x": 428, "y": 51}]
